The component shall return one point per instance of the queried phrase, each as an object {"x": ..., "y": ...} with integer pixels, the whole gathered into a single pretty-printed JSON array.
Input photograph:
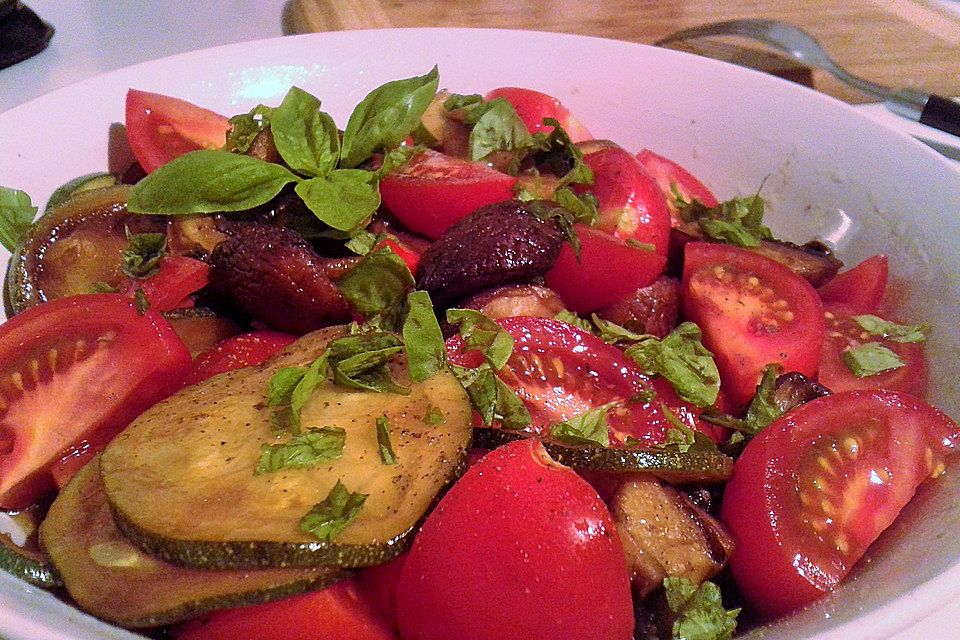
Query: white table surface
[{"x": 94, "y": 36}]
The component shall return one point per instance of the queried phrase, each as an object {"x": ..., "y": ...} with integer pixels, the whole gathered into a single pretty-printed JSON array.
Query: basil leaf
[
  {"x": 245, "y": 127},
  {"x": 387, "y": 455},
  {"x": 682, "y": 359},
  {"x": 377, "y": 287},
  {"x": 871, "y": 359},
  {"x": 562, "y": 217},
  {"x": 499, "y": 128},
  {"x": 699, "y": 612},
  {"x": 314, "y": 377},
  {"x": 141, "y": 258},
  {"x": 328, "y": 518},
  {"x": 396, "y": 158},
  {"x": 890, "y": 330},
  {"x": 426, "y": 350},
  {"x": 16, "y": 216},
  {"x": 307, "y": 138},
  {"x": 738, "y": 221},
  {"x": 612, "y": 333},
  {"x": 480, "y": 333},
  {"x": 681, "y": 438},
  {"x": 762, "y": 411},
  {"x": 344, "y": 198},
  {"x": 387, "y": 116},
  {"x": 207, "y": 181},
  {"x": 433, "y": 415},
  {"x": 492, "y": 398},
  {"x": 303, "y": 451},
  {"x": 585, "y": 207},
  {"x": 588, "y": 429},
  {"x": 562, "y": 156},
  {"x": 282, "y": 383},
  {"x": 362, "y": 243},
  {"x": 571, "y": 318},
  {"x": 359, "y": 362}
]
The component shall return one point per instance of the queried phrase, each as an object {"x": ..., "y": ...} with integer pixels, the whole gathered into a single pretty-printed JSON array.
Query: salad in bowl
[{"x": 452, "y": 366}]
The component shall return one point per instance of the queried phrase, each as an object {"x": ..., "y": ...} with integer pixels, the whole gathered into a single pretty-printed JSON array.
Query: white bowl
[{"x": 830, "y": 172}]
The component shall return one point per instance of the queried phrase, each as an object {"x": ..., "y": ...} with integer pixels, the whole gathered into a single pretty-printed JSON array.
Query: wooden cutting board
[{"x": 901, "y": 43}]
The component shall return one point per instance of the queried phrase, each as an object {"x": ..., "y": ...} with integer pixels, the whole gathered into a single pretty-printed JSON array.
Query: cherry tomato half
[
  {"x": 814, "y": 489},
  {"x": 73, "y": 370},
  {"x": 160, "y": 128},
  {"x": 753, "y": 312},
  {"x": 245, "y": 350},
  {"x": 433, "y": 190},
  {"x": 669, "y": 176},
  {"x": 844, "y": 333},
  {"x": 561, "y": 371},
  {"x": 860, "y": 288},
  {"x": 178, "y": 277},
  {"x": 533, "y": 106},
  {"x": 520, "y": 547}
]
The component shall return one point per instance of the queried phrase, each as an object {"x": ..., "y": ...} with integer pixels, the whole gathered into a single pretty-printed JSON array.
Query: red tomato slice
[
  {"x": 76, "y": 369},
  {"x": 433, "y": 190},
  {"x": 815, "y": 489},
  {"x": 178, "y": 277},
  {"x": 160, "y": 128},
  {"x": 560, "y": 371},
  {"x": 520, "y": 547},
  {"x": 533, "y": 106},
  {"x": 608, "y": 270},
  {"x": 860, "y": 288},
  {"x": 842, "y": 333},
  {"x": 338, "y": 612},
  {"x": 245, "y": 350},
  {"x": 753, "y": 312},
  {"x": 408, "y": 255},
  {"x": 378, "y": 586},
  {"x": 669, "y": 176}
]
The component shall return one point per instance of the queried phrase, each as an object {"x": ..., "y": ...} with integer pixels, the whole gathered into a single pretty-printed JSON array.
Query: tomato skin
[
  {"x": 160, "y": 128},
  {"x": 520, "y": 547},
  {"x": 378, "y": 586},
  {"x": 433, "y": 190},
  {"x": 338, "y": 612},
  {"x": 593, "y": 373},
  {"x": 842, "y": 332},
  {"x": 748, "y": 324},
  {"x": 410, "y": 257},
  {"x": 868, "y": 450},
  {"x": 670, "y": 175},
  {"x": 178, "y": 277},
  {"x": 240, "y": 351},
  {"x": 607, "y": 270},
  {"x": 127, "y": 363},
  {"x": 860, "y": 288},
  {"x": 533, "y": 106}
]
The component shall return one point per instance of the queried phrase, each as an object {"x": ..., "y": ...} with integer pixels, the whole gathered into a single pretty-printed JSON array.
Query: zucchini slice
[
  {"x": 112, "y": 579},
  {"x": 671, "y": 466},
  {"x": 181, "y": 480},
  {"x": 27, "y": 564}
]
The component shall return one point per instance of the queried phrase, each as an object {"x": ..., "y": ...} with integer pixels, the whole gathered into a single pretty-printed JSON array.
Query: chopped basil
[
  {"x": 563, "y": 157},
  {"x": 682, "y": 359},
  {"x": 681, "y": 438},
  {"x": 698, "y": 611},
  {"x": 141, "y": 258},
  {"x": 310, "y": 449},
  {"x": 245, "y": 127},
  {"x": 738, "y": 221},
  {"x": 102, "y": 287},
  {"x": 492, "y": 398},
  {"x": 890, "y": 330},
  {"x": 282, "y": 383},
  {"x": 571, "y": 318},
  {"x": 290, "y": 388},
  {"x": 362, "y": 242},
  {"x": 562, "y": 217},
  {"x": 360, "y": 362},
  {"x": 642, "y": 246},
  {"x": 396, "y": 158},
  {"x": 426, "y": 350},
  {"x": 871, "y": 359},
  {"x": 328, "y": 518},
  {"x": 387, "y": 456},
  {"x": 612, "y": 333},
  {"x": 585, "y": 208},
  {"x": 482, "y": 334},
  {"x": 141, "y": 301},
  {"x": 377, "y": 287},
  {"x": 314, "y": 377},
  {"x": 307, "y": 138},
  {"x": 208, "y": 181},
  {"x": 386, "y": 116},
  {"x": 763, "y": 411},
  {"x": 343, "y": 198},
  {"x": 499, "y": 128},
  {"x": 588, "y": 429},
  {"x": 433, "y": 415},
  {"x": 16, "y": 216}
]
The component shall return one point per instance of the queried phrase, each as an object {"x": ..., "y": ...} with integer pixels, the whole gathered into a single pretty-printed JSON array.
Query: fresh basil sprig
[
  {"x": 698, "y": 611},
  {"x": 377, "y": 288},
  {"x": 682, "y": 359},
  {"x": 16, "y": 216},
  {"x": 738, "y": 221}
]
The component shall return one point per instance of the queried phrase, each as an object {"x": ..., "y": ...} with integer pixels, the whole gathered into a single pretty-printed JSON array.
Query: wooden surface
[{"x": 901, "y": 43}]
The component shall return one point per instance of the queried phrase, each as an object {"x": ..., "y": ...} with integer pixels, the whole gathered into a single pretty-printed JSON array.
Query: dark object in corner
[{"x": 22, "y": 33}]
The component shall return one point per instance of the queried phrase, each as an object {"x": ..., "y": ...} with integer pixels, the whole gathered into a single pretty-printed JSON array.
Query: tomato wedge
[
  {"x": 844, "y": 333},
  {"x": 72, "y": 370},
  {"x": 245, "y": 350},
  {"x": 178, "y": 277},
  {"x": 753, "y": 312},
  {"x": 561, "y": 371},
  {"x": 433, "y": 190},
  {"x": 860, "y": 288},
  {"x": 669, "y": 176},
  {"x": 160, "y": 128},
  {"x": 533, "y": 106},
  {"x": 813, "y": 490}
]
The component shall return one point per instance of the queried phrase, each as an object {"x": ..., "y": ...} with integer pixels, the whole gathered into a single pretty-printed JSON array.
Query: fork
[{"x": 929, "y": 109}]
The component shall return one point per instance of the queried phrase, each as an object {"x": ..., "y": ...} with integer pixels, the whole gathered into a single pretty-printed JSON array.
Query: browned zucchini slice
[
  {"x": 112, "y": 579},
  {"x": 181, "y": 477},
  {"x": 672, "y": 466},
  {"x": 27, "y": 564}
]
